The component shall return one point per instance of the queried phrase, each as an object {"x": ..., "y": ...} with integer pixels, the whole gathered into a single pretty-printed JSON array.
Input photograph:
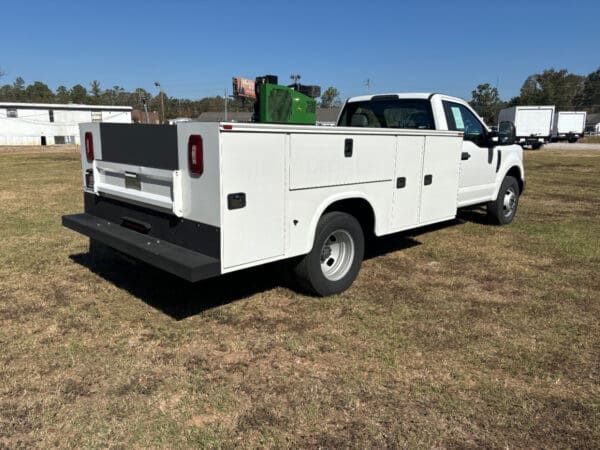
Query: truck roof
[
  {"x": 363, "y": 98},
  {"x": 407, "y": 95}
]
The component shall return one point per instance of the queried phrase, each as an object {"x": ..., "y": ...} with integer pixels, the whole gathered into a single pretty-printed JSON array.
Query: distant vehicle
[
  {"x": 568, "y": 126},
  {"x": 533, "y": 124}
]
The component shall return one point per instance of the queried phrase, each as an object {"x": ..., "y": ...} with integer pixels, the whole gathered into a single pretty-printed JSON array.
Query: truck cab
[{"x": 487, "y": 156}]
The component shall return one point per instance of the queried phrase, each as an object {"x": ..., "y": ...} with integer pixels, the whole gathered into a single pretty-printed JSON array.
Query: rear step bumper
[{"x": 187, "y": 264}]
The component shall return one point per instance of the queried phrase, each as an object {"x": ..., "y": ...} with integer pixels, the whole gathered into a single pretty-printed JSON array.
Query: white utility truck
[
  {"x": 203, "y": 199},
  {"x": 533, "y": 124},
  {"x": 568, "y": 126}
]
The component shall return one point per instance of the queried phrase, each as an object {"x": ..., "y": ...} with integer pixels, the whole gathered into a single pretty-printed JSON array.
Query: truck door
[{"x": 478, "y": 161}]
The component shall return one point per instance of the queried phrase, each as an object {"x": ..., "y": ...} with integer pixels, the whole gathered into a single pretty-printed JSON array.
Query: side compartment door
[
  {"x": 407, "y": 182},
  {"x": 252, "y": 197},
  {"x": 441, "y": 166},
  {"x": 322, "y": 160}
]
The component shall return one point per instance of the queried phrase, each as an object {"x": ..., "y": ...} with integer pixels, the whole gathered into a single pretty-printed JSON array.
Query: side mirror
[
  {"x": 492, "y": 137},
  {"x": 507, "y": 134}
]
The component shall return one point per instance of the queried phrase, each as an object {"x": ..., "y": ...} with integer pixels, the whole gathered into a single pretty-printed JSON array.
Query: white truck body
[
  {"x": 286, "y": 174},
  {"x": 533, "y": 124},
  {"x": 263, "y": 189},
  {"x": 568, "y": 125}
]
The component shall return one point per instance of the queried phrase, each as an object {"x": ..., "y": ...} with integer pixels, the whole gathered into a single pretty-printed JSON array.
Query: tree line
[
  {"x": 567, "y": 91},
  {"x": 39, "y": 92}
]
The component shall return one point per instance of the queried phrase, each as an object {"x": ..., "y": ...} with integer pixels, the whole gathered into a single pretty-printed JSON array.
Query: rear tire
[
  {"x": 335, "y": 259},
  {"x": 502, "y": 210}
]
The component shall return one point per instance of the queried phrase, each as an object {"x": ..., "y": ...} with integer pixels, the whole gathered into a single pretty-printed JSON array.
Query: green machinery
[{"x": 294, "y": 104}]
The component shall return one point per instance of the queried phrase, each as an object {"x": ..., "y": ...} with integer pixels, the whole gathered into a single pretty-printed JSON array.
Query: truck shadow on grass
[{"x": 180, "y": 299}]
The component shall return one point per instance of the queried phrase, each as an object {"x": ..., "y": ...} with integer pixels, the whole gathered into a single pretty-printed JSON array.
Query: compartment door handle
[{"x": 348, "y": 148}]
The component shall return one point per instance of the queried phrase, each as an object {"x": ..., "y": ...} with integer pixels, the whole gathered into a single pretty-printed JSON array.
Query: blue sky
[{"x": 194, "y": 48}]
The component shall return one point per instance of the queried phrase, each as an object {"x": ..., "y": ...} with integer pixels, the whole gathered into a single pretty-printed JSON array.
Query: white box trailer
[
  {"x": 568, "y": 125},
  {"x": 533, "y": 124}
]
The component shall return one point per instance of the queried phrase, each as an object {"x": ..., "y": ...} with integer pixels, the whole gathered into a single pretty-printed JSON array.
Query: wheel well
[
  {"x": 359, "y": 208},
  {"x": 515, "y": 172}
]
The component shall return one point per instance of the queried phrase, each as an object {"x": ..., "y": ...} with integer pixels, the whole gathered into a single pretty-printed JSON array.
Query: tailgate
[{"x": 137, "y": 163}]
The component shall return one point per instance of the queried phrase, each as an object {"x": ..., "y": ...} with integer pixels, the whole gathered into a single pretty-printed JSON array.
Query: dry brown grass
[
  {"x": 462, "y": 335},
  {"x": 590, "y": 140}
]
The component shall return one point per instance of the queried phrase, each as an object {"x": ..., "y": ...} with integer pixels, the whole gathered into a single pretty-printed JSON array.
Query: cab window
[
  {"x": 389, "y": 113},
  {"x": 460, "y": 118}
]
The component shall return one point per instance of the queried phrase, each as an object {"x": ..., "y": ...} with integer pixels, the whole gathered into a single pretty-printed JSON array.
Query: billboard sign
[{"x": 243, "y": 87}]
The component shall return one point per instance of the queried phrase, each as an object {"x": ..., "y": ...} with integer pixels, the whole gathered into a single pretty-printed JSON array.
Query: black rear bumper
[{"x": 187, "y": 264}]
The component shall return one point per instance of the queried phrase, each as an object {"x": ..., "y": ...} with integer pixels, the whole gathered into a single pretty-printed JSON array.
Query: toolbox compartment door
[
  {"x": 252, "y": 197},
  {"x": 321, "y": 160}
]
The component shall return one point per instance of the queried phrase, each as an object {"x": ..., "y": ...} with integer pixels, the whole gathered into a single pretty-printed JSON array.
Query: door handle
[
  {"x": 465, "y": 155},
  {"x": 428, "y": 180}
]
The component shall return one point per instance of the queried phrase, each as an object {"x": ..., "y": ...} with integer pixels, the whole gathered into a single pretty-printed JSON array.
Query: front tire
[
  {"x": 335, "y": 259},
  {"x": 502, "y": 210}
]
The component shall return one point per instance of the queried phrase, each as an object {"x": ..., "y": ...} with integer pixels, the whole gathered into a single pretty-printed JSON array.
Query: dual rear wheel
[{"x": 337, "y": 254}]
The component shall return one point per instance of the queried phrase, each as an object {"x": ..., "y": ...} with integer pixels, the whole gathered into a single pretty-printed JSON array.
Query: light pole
[
  {"x": 162, "y": 100},
  {"x": 145, "y": 102},
  {"x": 295, "y": 77}
]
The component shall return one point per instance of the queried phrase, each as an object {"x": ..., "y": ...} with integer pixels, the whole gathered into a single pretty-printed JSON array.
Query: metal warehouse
[{"x": 52, "y": 124}]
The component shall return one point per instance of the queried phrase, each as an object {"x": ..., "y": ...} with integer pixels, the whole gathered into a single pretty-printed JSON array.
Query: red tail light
[
  {"x": 196, "y": 154},
  {"x": 89, "y": 146}
]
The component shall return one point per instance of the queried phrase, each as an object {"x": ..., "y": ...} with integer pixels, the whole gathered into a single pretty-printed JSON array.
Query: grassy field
[
  {"x": 590, "y": 140},
  {"x": 461, "y": 335}
]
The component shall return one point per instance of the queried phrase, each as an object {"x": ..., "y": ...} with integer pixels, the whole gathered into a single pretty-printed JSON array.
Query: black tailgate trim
[
  {"x": 187, "y": 264},
  {"x": 196, "y": 236},
  {"x": 140, "y": 145}
]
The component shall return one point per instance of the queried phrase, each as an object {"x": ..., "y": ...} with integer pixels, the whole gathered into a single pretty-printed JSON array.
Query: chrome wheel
[
  {"x": 337, "y": 255},
  {"x": 509, "y": 203}
]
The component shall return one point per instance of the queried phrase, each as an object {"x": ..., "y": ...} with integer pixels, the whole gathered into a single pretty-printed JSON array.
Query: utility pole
[
  {"x": 144, "y": 101},
  {"x": 295, "y": 77},
  {"x": 162, "y": 101},
  {"x": 368, "y": 85},
  {"x": 225, "y": 98}
]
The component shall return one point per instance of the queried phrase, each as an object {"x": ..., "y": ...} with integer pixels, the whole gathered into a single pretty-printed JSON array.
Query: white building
[{"x": 52, "y": 124}]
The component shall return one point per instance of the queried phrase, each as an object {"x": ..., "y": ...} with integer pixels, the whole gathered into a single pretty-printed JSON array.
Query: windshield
[{"x": 389, "y": 113}]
